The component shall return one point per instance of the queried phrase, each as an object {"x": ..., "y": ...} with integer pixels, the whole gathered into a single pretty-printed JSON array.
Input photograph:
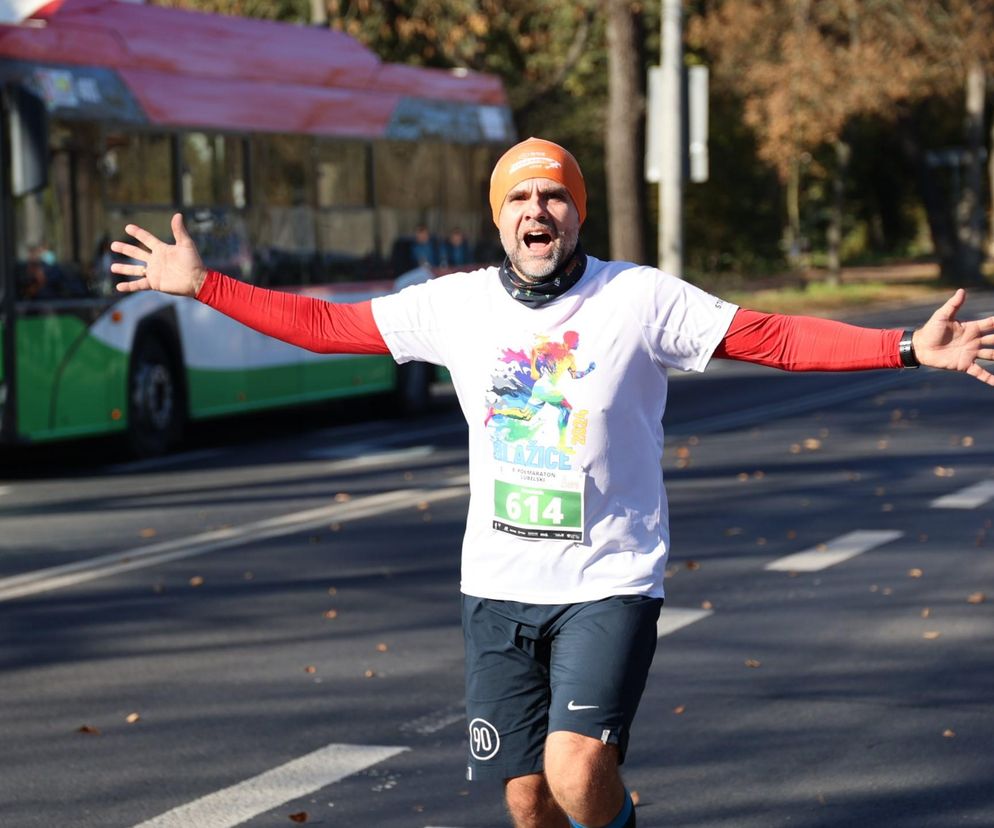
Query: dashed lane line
[
  {"x": 300, "y": 777},
  {"x": 58, "y": 577},
  {"x": 971, "y": 497},
  {"x": 834, "y": 551}
]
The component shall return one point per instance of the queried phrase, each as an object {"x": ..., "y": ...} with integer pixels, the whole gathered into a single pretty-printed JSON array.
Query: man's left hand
[{"x": 944, "y": 342}]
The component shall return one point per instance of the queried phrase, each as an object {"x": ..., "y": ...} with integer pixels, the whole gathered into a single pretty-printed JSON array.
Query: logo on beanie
[{"x": 535, "y": 160}]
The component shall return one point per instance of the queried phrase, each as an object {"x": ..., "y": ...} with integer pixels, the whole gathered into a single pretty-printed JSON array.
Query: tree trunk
[
  {"x": 969, "y": 207},
  {"x": 792, "y": 240},
  {"x": 624, "y": 140},
  {"x": 842, "y": 154}
]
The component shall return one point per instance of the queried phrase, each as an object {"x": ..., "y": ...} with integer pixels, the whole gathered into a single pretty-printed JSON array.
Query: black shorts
[{"x": 532, "y": 669}]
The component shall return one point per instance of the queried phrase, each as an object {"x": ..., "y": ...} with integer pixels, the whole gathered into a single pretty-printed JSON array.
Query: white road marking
[
  {"x": 969, "y": 498},
  {"x": 835, "y": 551},
  {"x": 433, "y": 722},
  {"x": 57, "y": 577},
  {"x": 300, "y": 777},
  {"x": 672, "y": 619}
]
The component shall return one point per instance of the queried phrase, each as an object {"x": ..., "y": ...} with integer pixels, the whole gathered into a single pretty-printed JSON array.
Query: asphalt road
[{"x": 267, "y": 626}]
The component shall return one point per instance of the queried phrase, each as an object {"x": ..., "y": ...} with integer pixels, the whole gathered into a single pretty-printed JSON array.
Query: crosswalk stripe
[
  {"x": 835, "y": 551},
  {"x": 969, "y": 498},
  {"x": 672, "y": 619},
  {"x": 300, "y": 777}
]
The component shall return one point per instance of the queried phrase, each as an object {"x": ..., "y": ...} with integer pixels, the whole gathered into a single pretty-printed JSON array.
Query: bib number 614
[{"x": 528, "y": 507}]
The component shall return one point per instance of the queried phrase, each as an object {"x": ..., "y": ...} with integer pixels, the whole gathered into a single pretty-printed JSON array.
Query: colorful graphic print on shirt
[{"x": 535, "y": 430}]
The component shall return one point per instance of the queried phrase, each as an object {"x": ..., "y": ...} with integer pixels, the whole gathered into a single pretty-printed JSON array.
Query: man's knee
[{"x": 582, "y": 773}]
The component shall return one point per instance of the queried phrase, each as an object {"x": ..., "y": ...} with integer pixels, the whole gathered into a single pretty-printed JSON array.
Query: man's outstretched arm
[
  {"x": 802, "y": 343},
  {"x": 314, "y": 324}
]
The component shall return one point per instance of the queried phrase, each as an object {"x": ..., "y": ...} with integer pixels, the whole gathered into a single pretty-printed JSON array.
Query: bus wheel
[
  {"x": 413, "y": 392},
  {"x": 157, "y": 413}
]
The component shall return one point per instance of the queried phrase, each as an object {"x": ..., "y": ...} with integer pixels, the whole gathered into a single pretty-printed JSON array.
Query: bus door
[{"x": 23, "y": 170}]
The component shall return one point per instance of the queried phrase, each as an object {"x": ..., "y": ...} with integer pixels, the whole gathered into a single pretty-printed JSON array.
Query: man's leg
[
  {"x": 531, "y": 804},
  {"x": 582, "y": 774}
]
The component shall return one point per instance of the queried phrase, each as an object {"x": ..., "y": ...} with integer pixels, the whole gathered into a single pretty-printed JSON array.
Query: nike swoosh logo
[{"x": 574, "y": 706}]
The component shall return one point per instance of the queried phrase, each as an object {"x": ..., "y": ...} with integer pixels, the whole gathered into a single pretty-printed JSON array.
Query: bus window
[
  {"x": 47, "y": 229},
  {"x": 284, "y": 228},
  {"x": 342, "y": 174},
  {"x": 213, "y": 171},
  {"x": 409, "y": 194},
  {"x": 138, "y": 169},
  {"x": 346, "y": 222}
]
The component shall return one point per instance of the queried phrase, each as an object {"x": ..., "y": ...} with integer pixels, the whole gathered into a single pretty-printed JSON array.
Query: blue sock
[{"x": 624, "y": 819}]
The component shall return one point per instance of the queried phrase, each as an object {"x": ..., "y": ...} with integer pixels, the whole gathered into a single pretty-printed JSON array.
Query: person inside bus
[
  {"x": 425, "y": 248},
  {"x": 456, "y": 249},
  {"x": 566, "y": 540}
]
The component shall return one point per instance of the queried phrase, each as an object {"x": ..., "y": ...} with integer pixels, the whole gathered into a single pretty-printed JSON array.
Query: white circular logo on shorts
[{"x": 484, "y": 740}]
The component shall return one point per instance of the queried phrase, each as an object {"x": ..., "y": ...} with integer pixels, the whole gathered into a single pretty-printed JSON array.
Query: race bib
[{"x": 539, "y": 504}]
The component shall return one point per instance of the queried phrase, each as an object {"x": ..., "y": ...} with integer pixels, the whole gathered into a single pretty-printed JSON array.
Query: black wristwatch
[{"x": 906, "y": 349}]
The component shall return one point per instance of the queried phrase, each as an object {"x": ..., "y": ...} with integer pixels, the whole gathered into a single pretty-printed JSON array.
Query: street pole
[{"x": 671, "y": 141}]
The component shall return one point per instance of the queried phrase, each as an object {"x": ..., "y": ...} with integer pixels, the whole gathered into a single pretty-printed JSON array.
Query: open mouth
[{"x": 537, "y": 241}]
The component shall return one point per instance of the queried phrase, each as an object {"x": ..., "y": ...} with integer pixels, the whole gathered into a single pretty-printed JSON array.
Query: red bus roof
[{"x": 189, "y": 69}]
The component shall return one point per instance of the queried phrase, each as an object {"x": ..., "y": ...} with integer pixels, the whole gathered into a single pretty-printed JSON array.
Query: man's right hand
[{"x": 172, "y": 268}]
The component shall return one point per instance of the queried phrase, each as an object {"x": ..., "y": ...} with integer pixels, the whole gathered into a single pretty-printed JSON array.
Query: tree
[{"x": 624, "y": 147}]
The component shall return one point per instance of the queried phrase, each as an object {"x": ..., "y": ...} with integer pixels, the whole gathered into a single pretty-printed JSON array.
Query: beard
[{"x": 533, "y": 268}]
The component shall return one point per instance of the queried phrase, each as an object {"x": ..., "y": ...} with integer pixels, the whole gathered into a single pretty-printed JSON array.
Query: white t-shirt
[{"x": 564, "y": 404}]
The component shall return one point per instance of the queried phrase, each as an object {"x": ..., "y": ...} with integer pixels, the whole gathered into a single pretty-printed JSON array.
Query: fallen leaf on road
[
  {"x": 692, "y": 565},
  {"x": 635, "y": 797},
  {"x": 370, "y": 674},
  {"x": 882, "y": 444},
  {"x": 683, "y": 451},
  {"x": 915, "y": 573},
  {"x": 342, "y": 497},
  {"x": 812, "y": 444},
  {"x": 707, "y": 605},
  {"x": 976, "y": 598},
  {"x": 949, "y": 733},
  {"x": 310, "y": 668},
  {"x": 331, "y": 614},
  {"x": 679, "y": 709},
  {"x": 966, "y": 441},
  {"x": 422, "y": 505},
  {"x": 131, "y": 718},
  {"x": 752, "y": 662},
  {"x": 148, "y": 533},
  {"x": 381, "y": 647},
  {"x": 944, "y": 471},
  {"x": 196, "y": 581},
  {"x": 89, "y": 730},
  {"x": 931, "y": 635},
  {"x": 300, "y": 816},
  {"x": 743, "y": 476},
  {"x": 926, "y": 612},
  {"x": 335, "y": 527}
]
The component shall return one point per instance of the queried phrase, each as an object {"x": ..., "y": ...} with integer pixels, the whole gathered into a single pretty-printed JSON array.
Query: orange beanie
[{"x": 537, "y": 158}]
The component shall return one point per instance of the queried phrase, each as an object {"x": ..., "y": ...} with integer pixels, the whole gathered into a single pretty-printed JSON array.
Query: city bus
[{"x": 300, "y": 161}]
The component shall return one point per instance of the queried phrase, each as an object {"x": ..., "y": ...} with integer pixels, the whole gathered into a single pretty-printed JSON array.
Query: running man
[{"x": 564, "y": 552}]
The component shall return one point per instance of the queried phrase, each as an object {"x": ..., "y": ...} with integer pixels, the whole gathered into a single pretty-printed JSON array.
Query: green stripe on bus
[
  {"x": 68, "y": 383},
  {"x": 214, "y": 393}
]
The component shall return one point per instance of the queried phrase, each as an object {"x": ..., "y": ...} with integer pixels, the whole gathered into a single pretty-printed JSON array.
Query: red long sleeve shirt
[{"x": 791, "y": 343}]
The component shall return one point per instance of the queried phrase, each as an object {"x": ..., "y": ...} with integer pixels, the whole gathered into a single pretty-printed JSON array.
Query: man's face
[{"x": 539, "y": 227}]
